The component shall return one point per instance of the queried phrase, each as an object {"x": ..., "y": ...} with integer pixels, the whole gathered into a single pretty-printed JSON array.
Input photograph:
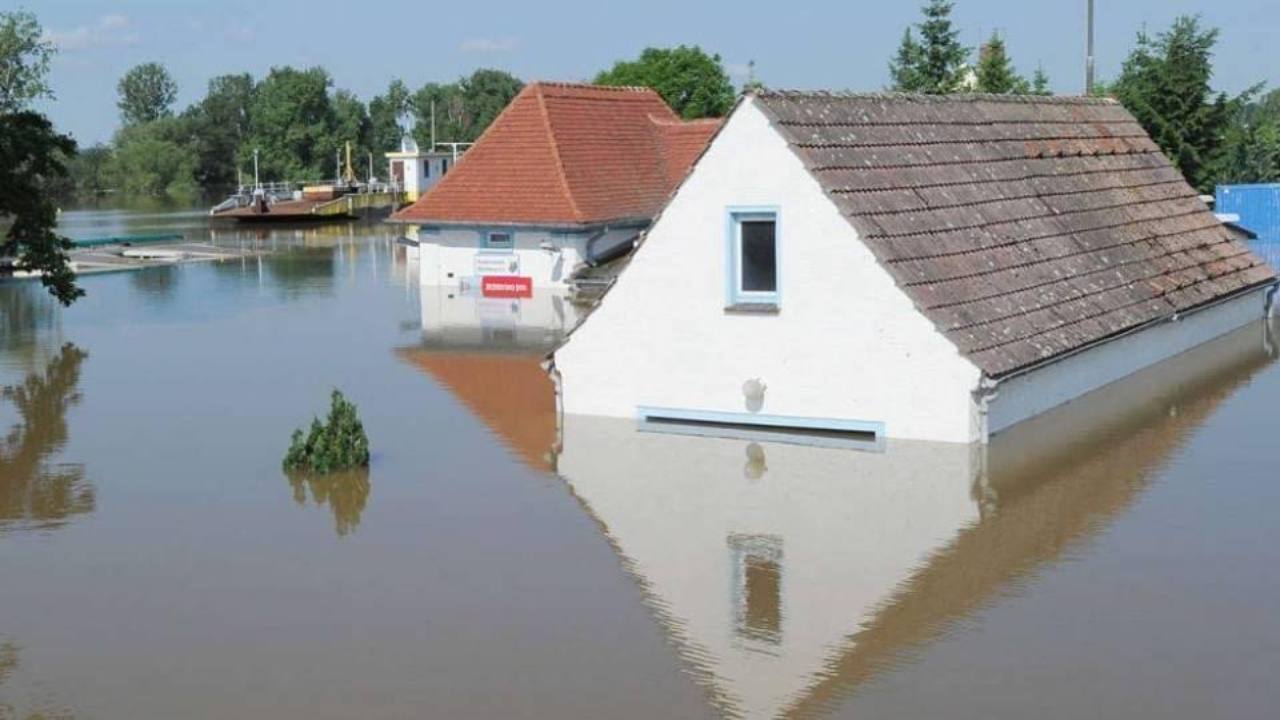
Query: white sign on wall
[{"x": 488, "y": 264}]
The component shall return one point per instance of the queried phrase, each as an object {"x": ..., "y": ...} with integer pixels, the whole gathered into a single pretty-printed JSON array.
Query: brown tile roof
[
  {"x": 1023, "y": 227},
  {"x": 569, "y": 154}
]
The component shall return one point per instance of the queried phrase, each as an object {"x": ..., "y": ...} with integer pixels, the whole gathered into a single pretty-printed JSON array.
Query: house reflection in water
[
  {"x": 35, "y": 493},
  {"x": 788, "y": 575},
  {"x": 488, "y": 352}
]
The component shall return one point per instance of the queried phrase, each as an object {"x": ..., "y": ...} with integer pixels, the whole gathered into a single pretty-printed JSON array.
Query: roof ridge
[
  {"x": 937, "y": 99},
  {"x": 593, "y": 86},
  {"x": 555, "y": 152}
]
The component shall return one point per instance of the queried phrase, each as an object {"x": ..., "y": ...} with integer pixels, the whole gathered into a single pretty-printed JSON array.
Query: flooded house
[
  {"x": 932, "y": 268},
  {"x": 566, "y": 177}
]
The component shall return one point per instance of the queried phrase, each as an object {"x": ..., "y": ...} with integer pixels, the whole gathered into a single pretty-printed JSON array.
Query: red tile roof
[{"x": 569, "y": 154}]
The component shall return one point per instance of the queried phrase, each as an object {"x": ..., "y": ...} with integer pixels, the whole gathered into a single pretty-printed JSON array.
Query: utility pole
[
  {"x": 1088, "y": 63},
  {"x": 256, "y": 183},
  {"x": 433, "y": 126}
]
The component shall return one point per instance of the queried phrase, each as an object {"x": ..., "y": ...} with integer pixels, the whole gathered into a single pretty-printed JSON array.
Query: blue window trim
[
  {"x": 732, "y": 216},
  {"x": 486, "y": 233}
]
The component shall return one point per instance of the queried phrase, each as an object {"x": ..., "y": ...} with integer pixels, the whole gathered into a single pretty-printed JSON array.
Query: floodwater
[{"x": 1116, "y": 559}]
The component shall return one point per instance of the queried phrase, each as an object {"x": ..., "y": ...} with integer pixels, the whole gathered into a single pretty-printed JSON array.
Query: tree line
[
  {"x": 1165, "y": 81},
  {"x": 299, "y": 123}
]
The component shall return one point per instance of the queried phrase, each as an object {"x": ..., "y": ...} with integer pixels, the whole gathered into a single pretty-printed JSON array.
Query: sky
[{"x": 843, "y": 44}]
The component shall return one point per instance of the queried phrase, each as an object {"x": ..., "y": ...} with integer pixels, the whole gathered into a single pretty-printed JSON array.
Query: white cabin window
[{"x": 753, "y": 258}]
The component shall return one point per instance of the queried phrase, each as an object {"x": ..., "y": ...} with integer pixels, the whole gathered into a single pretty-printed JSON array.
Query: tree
[
  {"x": 32, "y": 160},
  {"x": 219, "y": 127},
  {"x": 147, "y": 93},
  {"x": 155, "y": 158},
  {"x": 24, "y": 61},
  {"x": 995, "y": 72},
  {"x": 485, "y": 94},
  {"x": 385, "y": 112},
  {"x": 692, "y": 82},
  {"x": 443, "y": 105},
  {"x": 463, "y": 110},
  {"x": 1040, "y": 82},
  {"x": 1165, "y": 84},
  {"x": 904, "y": 69},
  {"x": 291, "y": 124},
  {"x": 90, "y": 171},
  {"x": 1251, "y": 144},
  {"x": 351, "y": 125},
  {"x": 936, "y": 63}
]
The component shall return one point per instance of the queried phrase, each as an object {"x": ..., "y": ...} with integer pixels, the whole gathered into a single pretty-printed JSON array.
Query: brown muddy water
[{"x": 1116, "y": 559}]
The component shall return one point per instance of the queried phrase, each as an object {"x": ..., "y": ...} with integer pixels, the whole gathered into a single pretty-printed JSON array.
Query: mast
[{"x": 1089, "y": 57}]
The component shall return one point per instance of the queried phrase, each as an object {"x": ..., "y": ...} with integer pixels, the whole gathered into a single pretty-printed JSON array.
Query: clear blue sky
[{"x": 841, "y": 44}]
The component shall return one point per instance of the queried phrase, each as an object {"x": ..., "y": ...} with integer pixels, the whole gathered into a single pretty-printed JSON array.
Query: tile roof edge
[
  {"x": 938, "y": 99},
  {"x": 399, "y": 215},
  {"x": 555, "y": 151}
]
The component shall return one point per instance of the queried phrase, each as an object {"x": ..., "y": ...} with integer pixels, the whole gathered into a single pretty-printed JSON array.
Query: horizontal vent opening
[
  {"x": 676, "y": 423},
  {"x": 799, "y": 431}
]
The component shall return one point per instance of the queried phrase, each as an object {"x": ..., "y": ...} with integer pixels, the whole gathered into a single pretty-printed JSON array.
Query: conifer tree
[
  {"x": 1165, "y": 84},
  {"x": 936, "y": 63},
  {"x": 1040, "y": 82},
  {"x": 995, "y": 71}
]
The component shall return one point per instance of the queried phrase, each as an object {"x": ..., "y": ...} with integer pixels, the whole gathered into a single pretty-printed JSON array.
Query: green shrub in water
[{"x": 338, "y": 444}]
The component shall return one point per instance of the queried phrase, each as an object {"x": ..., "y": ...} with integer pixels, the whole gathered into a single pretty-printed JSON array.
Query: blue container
[{"x": 1257, "y": 205}]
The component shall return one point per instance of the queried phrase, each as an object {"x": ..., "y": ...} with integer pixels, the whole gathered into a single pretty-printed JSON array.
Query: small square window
[
  {"x": 499, "y": 241},
  {"x": 753, "y": 248}
]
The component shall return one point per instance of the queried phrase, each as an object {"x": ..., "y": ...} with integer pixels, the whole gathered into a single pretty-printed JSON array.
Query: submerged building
[
  {"x": 566, "y": 176},
  {"x": 935, "y": 268}
]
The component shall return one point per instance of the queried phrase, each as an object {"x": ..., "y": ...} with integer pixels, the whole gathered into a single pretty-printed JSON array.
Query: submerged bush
[{"x": 338, "y": 444}]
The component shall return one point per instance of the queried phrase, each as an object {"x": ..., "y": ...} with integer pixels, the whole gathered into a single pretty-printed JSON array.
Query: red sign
[{"x": 506, "y": 286}]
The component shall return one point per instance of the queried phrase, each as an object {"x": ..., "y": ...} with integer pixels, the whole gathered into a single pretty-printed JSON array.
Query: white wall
[
  {"x": 847, "y": 344},
  {"x": 453, "y": 256},
  {"x": 1028, "y": 395}
]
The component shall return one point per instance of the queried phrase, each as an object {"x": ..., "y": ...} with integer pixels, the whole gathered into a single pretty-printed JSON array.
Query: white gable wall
[{"x": 846, "y": 345}]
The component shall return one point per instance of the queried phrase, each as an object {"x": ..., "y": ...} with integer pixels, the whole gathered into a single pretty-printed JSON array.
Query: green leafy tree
[
  {"x": 463, "y": 110},
  {"x": 33, "y": 157},
  {"x": 995, "y": 72},
  {"x": 291, "y": 124},
  {"x": 484, "y": 95},
  {"x": 934, "y": 64},
  {"x": 446, "y": 103},
  {"x": 219, "y": 127},
  {"x": 24, "y": 61},
  {"x": 32, "y": 162},
  {"x": 147, "y": 93},
  {"x": 692, "y": 82},
  {"x": 90, "y": 171},
  {"x": 1165, "y": 84},
  {"x": 155, "y": 158},
  {"x": 351, "y": 124},
  {"x": 385, "y": 111}
]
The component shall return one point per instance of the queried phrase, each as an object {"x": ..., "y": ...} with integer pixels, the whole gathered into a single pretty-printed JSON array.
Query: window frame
[
  {"x": 486, "y": 241},
  {"x": 735, "y": 296}
]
